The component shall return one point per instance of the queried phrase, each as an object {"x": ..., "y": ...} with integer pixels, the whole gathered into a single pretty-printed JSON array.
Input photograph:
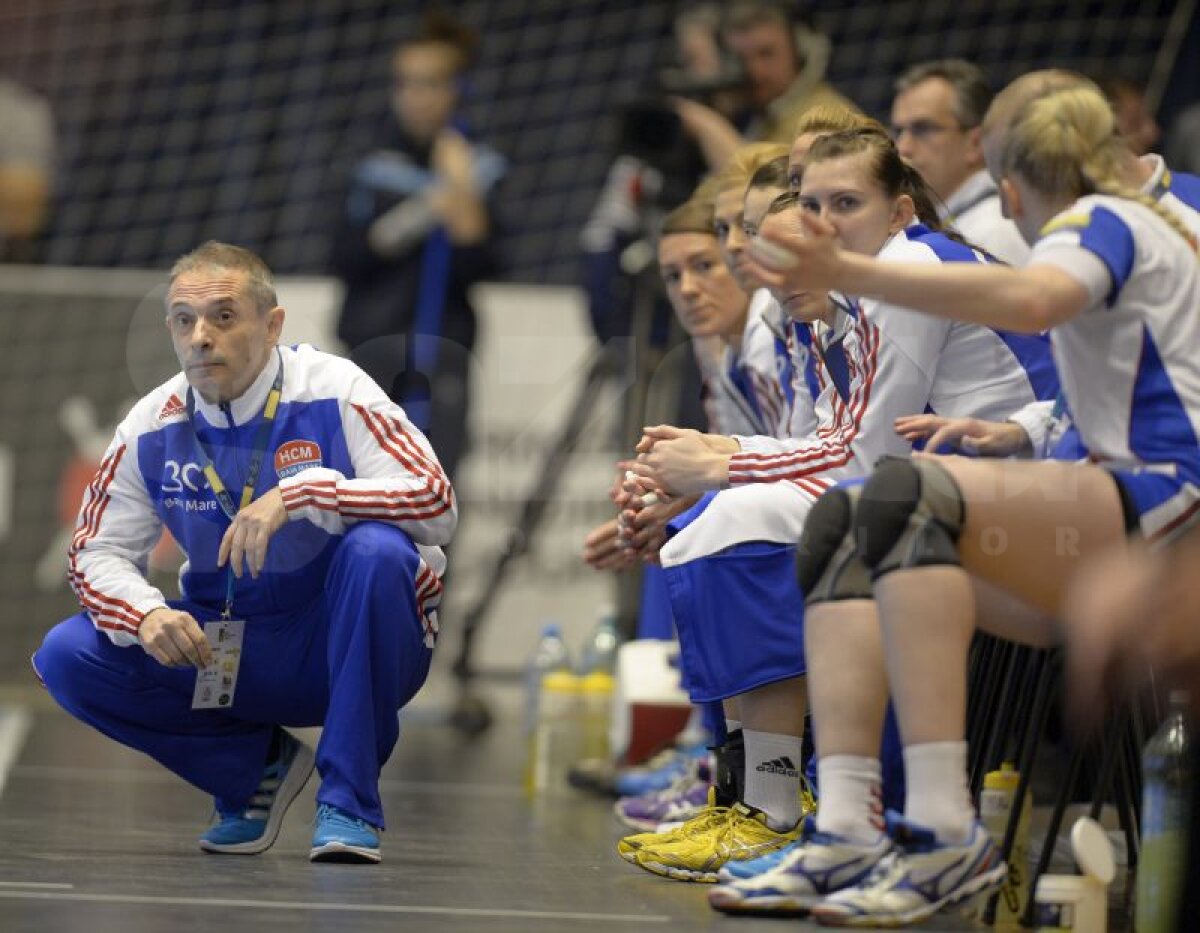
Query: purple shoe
[{"x": 677, "y": 803}]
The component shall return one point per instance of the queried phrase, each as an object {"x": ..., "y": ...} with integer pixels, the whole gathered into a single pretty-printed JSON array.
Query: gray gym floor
[
  {"x": 96, "y": 838},
  {"x": 100, "y": 838}
]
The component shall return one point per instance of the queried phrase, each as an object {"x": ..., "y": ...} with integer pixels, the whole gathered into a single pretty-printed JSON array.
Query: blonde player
[{"x": 950, "y": 543}]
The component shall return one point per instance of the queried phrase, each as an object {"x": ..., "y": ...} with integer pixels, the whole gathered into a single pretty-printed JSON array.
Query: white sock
[
  {"x": 851, "y": 797},
  {"x": 773, "y": 768},
  {"x": 935, "y": 774}
]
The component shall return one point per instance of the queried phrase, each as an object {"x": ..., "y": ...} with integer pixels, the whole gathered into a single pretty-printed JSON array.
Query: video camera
[{"x": 649, "y": 129}]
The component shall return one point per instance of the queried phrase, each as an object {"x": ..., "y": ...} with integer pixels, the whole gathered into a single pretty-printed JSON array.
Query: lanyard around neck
[{"x": 220, "y": 491}]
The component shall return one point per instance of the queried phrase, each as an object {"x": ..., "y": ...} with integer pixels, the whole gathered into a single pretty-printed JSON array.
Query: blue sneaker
[
  {"x": 740, "y": 871},
  {"x": 340, "y": 837},
  {"x": 659, "y": 773},
  {"x": 256, "y": 828},
  {"x": 915, "y": 881}
]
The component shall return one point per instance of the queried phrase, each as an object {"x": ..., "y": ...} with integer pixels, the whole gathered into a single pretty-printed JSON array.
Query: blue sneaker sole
[{"x": 346, "y": 854}]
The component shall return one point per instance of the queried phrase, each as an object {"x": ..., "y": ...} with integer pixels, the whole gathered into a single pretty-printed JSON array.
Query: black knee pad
[
  {"x": 910, "y": 514},
  {"x": 827, "y": 566}
]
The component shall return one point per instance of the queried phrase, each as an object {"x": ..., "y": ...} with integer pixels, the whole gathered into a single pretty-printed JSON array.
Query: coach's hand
[
  {"x": 173, "y": 638},
  {"x": 250, "y": 533}
]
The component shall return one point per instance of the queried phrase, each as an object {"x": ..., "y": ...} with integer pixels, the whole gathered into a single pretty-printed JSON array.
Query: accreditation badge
[{"x": 216, "y": 683}]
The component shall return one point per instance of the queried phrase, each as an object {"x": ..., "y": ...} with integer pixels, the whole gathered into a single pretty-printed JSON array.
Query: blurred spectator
[
  {"x": 26, "y": 169},
  {"x": 937, "y": 118},
  {"x": 416, "y": 233},
  {"x": 783, "y": 61},
  {"x": 1134, "y": 119}
]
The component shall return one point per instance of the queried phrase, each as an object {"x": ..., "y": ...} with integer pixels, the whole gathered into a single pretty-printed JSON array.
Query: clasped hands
[{"x": 672, "y": 465}]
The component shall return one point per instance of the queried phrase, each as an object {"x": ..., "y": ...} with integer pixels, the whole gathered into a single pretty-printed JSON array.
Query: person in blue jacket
[{"x": 311, "y": 513}]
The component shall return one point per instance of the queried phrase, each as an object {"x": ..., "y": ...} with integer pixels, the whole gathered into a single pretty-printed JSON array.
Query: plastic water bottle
[
  {"x": 600, "y": 652},
  {"x": 598, "y": 684},
  {"x": 1167, "y": 778},
  {"x": 995, "y": 806},
  {"x": 596, "y": 698},
  {"x": 557, "y": 737},
  {"x": 550, "y": 656}
]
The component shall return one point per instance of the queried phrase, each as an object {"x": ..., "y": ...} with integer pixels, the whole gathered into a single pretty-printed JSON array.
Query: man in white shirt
[{"x": 936, "y": 117}]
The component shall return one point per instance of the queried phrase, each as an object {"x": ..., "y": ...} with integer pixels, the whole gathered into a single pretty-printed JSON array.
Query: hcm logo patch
[{"x": 295, "y": 456}]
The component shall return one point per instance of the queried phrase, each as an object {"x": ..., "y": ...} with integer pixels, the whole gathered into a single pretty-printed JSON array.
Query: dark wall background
[{"x": 237, "y": 119}]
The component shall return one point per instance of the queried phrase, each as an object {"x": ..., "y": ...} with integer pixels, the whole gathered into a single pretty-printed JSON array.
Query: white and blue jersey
[
  {"x": 1048, "y": 424},
  {"x": 751, "y": 390},
  {"x": 899, "y": 362},
  {"x": 340, "y": 452},
  {"x": 1129, "y": 367}
]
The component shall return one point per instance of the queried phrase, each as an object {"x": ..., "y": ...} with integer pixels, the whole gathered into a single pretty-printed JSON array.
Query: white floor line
[
  {"x": 40, "y": 885},
  {"x": 14, "y": 726},
  {"x": 331, "y": 907}
]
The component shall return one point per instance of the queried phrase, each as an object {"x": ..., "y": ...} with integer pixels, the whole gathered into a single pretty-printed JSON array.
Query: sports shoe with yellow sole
[
  {"x": 743, "y": 835},
  {"x": 738, "y": 871},
  {"x": 708, "y": 818}
]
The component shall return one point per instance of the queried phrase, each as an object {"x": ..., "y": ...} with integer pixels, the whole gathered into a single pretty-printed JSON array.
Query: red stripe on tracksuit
[
  {"x": 107, "y": 611},
  {"x": 88, "y": 521},
  {"x": 384, "y": 504},
  {"x": 794, "y": 465},
  {"x": 395, "y": 440}
]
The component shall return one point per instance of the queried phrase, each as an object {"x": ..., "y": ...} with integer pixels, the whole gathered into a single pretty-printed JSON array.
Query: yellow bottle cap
[
  {"x": 1007, "y": 778},
  {"x": 560, "y": 682}
]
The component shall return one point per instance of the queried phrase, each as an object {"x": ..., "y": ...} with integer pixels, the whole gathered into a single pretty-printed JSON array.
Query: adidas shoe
[
  {"x": 684, "y": 799},
  {"x": 659, "y": 773},
  {"x": 809, "y": 870},
  {"x": 340, "y": 837},
  {"x": 915, "y": 881},
  {"x": 256, "y": 828},
  {"x": 703, "y": 822},
  {"x": 736, "y": 871},
  {"x": 743, "y": 835}
]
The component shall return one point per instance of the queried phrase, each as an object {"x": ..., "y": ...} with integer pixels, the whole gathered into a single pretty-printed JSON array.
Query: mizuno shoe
[
  {"x": 915, "y": 881},
  {"x": 699, "y": 856},
  {"x": 815, "y": 866},
  {"x": 703, "y": 822}
]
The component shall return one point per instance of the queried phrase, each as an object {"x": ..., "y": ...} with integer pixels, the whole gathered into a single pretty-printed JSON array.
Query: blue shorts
[{"x": 1157, "y": 506}]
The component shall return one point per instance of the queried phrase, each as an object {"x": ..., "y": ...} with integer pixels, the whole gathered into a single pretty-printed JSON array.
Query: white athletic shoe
[
  {"x": 919, "y": 878},
  {"x": 815, "y": 867}
]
